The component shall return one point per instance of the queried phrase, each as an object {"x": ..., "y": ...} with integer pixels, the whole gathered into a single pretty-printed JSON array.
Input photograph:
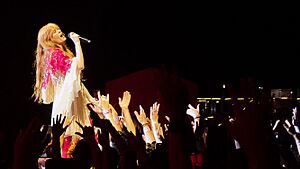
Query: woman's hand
[{"x": 74, "y": 37}]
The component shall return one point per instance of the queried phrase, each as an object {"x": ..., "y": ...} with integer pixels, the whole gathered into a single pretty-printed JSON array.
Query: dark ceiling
[{"x": 208, "y": 42}]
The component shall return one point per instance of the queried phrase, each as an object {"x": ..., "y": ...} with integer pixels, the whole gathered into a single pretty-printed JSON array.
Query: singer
[{"x": 58, "y": 81}]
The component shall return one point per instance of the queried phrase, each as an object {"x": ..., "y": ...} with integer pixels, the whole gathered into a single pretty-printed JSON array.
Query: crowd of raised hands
[
  {"x": 126, "y": 140},
  {"x": 113, "y": 140}
]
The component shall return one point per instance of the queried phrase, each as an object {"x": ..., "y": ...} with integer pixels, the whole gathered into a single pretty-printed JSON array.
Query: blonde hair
[{"x": 45, "y": 42}]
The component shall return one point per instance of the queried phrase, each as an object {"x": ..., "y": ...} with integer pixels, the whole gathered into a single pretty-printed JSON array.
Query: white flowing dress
[{"x": 63, "y": 87}]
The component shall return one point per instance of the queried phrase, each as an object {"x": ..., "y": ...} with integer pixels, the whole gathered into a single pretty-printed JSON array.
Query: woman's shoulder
[
  {"x": 56, "y": 53},
  {"x": 52, "y": 51},
  {"x": 56, "y": 50}
]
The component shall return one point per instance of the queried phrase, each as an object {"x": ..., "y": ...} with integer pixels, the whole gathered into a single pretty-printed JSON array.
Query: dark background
[{"x": 208, "y": 42}]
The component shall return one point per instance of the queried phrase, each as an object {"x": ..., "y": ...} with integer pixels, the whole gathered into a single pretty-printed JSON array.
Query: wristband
[{"x": 106, "y": 111}]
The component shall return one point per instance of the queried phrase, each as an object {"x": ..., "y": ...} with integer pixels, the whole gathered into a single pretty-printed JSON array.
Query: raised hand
[
  {"x": 289, "y": 128},
  {"x": 156, "y": 128},
  {"x": 87, "y": 132},
  {"x": 194, "y": 112},
  {"x": 58, "y": 123},
  {"x": 74, "y": 37},
  {"x": 292, "y": 130},
  {"x": 97, "y": 106},
  {"x": 154, "y": 109},
  {"x": 104, "y": 101},
  {"x": 145, "y": 122},
  {"x": 96, "y": 109},
  {"x": 57, "y": 130},
  {"x": 94, "y": 116},
  {"x": 124, "y": 102},
  {"x": 126, "y": 117},
  {"x": 141, "y": 117}
]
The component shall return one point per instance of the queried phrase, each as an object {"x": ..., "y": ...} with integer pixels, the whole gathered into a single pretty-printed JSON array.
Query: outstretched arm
[
  {"x": 195, "y": 113},
  {"x": 57, "y": 131},
  {"x": 105, "y": 110},
  {"x": 156, "y": 127},
  {"x": 124, "y": 103},
  {"x": 291, "y": 130},
  {"x": 145, "y": 122}
]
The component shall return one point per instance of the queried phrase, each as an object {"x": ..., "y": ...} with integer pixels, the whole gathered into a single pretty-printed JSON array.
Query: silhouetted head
[{"x": 82, "y": 153}]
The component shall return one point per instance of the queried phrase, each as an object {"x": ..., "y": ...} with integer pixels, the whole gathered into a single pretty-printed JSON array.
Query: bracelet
[
  {"x": 106, "y": 111},
  {"x": 146, "y": 128},
  {"x": 297, "y": 141}
]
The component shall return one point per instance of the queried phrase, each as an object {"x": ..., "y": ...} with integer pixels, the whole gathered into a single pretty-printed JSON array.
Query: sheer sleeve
[{"x": 60, "y": 62}]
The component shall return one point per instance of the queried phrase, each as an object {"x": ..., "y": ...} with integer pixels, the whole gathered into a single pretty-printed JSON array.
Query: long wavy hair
[{"x": 45, "y": 42}]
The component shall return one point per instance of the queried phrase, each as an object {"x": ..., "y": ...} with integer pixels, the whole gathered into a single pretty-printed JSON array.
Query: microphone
[{"x": 82, "y": 38}]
